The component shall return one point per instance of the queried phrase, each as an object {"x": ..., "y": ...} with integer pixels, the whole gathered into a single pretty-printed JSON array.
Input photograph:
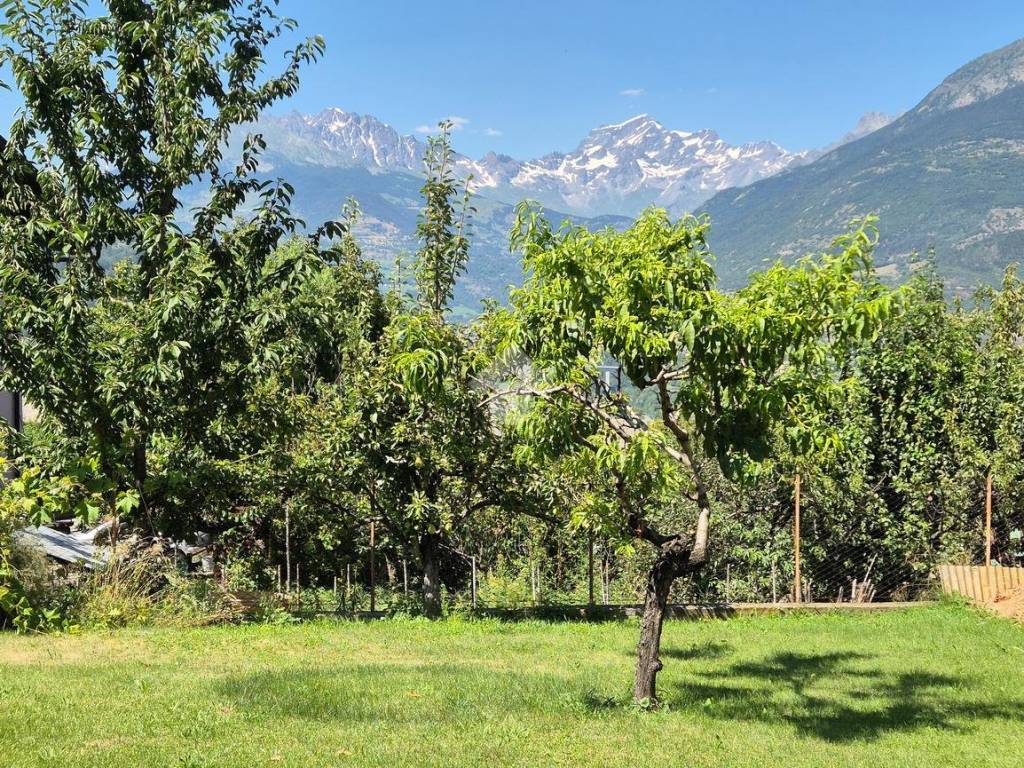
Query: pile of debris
[
  {"x": 69, "y": 548},
  {"x": 67, "y": 544}
]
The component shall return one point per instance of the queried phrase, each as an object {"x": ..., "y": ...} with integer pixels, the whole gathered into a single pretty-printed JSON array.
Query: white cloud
[
  {"x": 493, "y": 132},
  {"x": 424, "y": 129},
  {"x": 632, "y": 92}
]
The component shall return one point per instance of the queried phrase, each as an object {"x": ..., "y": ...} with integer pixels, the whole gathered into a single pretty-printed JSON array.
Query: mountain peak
[
  {"x": 335, "y": 136},
  {"x": 978, "y": 80},
  {"x": 622, "y": 167},
  {"x": 869, "y": 122},
  {"x": 634, "y": 122}
]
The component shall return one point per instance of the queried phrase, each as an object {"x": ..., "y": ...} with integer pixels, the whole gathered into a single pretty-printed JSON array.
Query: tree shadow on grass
[
  {"x": 709, "y": 651},
  {"x": 703, "y": 651},
  {"x": 396, "y": 693},
  {"x": 839, "y": 697}
]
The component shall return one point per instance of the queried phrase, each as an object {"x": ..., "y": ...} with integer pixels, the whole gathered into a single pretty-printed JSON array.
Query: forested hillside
[{"x": 944, "y": 176}]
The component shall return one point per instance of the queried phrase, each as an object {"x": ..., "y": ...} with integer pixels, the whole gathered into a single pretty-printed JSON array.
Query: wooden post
[
  {"x": 988, "y": 520},
  {"x": 797, "y": 586},
  {"x": 288, "y": 547},
  {"x": 373, "y": 566},
  {"x": 728, "y": 584},
  {"x": 590, "y": 568},
  {"x": 348, "y": 585},
  {"x": 278, "y": 579},
  {"x": 775, "y": 591},
  {"x": 473, "y": 586},
  {"x": 405, "y": 577}
]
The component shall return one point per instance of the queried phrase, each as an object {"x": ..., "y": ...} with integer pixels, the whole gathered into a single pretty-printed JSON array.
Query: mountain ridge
[
  {"x": 943, "y": 176},
  {"x": 616, "y": 169}
]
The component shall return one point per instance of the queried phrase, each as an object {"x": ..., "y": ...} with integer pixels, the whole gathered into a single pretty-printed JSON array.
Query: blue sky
[{"x": 530, "y": 77}]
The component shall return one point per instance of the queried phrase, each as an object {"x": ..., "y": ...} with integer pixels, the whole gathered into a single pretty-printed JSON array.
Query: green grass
[{"x": 930, "y": 687}]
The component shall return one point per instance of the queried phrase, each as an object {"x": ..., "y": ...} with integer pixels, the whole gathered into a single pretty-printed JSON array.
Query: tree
[
  {"x": 726, "y": 370},
  {"x": 122, "y": 111},
  {"x": 943, "y": 399},
  {"x": 407, "y": 434},
  {"x": 306, "y": 323}
]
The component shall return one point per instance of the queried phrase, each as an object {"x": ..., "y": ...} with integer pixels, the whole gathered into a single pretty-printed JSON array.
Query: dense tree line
[{"x": 240, "y": 372}]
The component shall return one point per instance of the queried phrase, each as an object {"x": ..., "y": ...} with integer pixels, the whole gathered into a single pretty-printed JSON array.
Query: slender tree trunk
[
  {"x": 648, "y": 662},
  {"x": 430, "y": 560},
  {"x": 675, "y": 558},
  {"x": 140, "y": 471},
  {"x": 140, "y": 465}
]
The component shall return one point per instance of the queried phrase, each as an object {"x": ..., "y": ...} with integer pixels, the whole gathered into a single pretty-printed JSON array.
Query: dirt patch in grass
[
  {"x": 61, "y": 650},
  {"x": 1010, "y": 605}
]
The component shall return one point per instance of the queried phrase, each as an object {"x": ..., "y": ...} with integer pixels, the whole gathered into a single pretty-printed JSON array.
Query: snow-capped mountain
[
  {"x": 616, "y": 169},
  {"x": 625, "y": 167},
  {"x": 335, "y": 137}
]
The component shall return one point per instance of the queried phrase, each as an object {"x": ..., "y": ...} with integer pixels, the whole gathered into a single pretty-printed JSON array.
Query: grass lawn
[{"x": 927, "y": 687}]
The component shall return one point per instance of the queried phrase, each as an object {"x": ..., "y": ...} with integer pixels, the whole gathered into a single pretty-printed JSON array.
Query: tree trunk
[
  {"x": 648, "y": 663},
  {"x": 140, "y": 471},
  {"x": 430, "y": 560},
  {"x": 140, "y": 465},
  {"x": 675, "y": 557}
]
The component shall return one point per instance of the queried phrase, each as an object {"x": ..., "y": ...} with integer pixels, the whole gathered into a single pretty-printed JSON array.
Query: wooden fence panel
[{"x": 978, "y": 582}]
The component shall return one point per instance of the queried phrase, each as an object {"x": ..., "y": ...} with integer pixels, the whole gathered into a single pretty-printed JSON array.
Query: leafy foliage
[{"x": 121, "y": 111}]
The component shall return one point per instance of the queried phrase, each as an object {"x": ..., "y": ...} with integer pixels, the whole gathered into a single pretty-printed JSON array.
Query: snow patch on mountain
[{"x": 616, "y": 169}]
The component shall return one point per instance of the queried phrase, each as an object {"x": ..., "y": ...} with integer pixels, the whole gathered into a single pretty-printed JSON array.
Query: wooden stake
[
  {"x": 775, "y": 591},
  {"x": 728, "y": 583},
  {"x": 373, "y": 566},
  {"x": 796, "y": 544},
  {"x": 405, "y": 577},
  {"x": 988, "y": 520},
  {"x": 288, "y": 547},
  {"x": 348, "y": 585},
  {"x": 474, "y": 582}
]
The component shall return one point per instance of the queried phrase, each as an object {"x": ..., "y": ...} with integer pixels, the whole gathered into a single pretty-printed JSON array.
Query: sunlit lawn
[{"x": 928, "y": 687}]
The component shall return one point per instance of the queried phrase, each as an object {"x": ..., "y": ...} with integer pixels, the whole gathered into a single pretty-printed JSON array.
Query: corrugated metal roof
[{"x": 61, "y": 546}]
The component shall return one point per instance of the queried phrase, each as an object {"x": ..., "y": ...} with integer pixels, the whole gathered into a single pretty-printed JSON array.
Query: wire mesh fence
[{"x": 800, "y": 560}]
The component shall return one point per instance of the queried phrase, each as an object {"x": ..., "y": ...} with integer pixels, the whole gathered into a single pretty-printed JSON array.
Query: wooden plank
[
  {"x": 978, "y": 582},
  {"x": 946, "y": 578}
]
